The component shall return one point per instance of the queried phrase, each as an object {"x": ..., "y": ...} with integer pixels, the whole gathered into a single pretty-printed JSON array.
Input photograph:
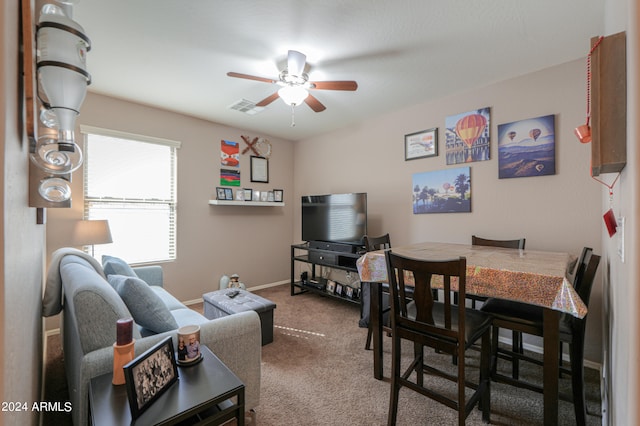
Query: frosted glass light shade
[
  {"x": 293, "y": 95},
  {"x": 65, "y": 91},
  {"x": 295, "y": 63},
  {"x": 62, "y": 76}
]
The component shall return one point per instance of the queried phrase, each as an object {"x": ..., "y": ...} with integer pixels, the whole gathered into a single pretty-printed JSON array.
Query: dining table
[{"x": 528, "y": 276}]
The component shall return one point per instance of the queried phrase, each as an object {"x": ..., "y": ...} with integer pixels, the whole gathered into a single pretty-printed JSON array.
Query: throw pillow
[
  {"x": 115, "y": 266},
  {"x": 145, "y": 305}
]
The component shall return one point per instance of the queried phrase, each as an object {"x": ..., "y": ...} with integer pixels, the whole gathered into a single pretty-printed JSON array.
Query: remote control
[{"x": 233, "y": 293}]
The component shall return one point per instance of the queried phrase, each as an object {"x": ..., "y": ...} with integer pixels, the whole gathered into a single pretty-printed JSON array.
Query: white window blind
[{"x": 130, "y": 180}]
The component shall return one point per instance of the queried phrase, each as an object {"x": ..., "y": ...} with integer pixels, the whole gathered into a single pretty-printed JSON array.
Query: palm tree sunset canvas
[{"x": 442, "y": 191}]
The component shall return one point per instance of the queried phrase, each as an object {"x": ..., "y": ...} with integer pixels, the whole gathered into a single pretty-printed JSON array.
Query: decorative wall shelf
[{"x": 246, "y": 203}]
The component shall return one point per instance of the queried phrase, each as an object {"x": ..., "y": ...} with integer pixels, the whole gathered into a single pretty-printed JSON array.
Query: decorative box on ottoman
[{"x": 219, "y": 304}]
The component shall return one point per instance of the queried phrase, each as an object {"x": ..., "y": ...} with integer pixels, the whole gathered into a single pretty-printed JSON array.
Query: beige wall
[
  {"x": 211, "y": 240},
  {"x": 560, "y": 212},
  {"x": 22, "y": 251}
]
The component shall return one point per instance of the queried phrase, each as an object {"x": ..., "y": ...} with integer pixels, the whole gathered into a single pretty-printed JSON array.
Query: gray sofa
[{"x": 91, "y": 306}]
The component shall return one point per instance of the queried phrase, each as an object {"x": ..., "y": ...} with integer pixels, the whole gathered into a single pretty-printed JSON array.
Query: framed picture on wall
[
  {"x": 527, "y": 148},
  {"x": 421, "y": 144},
  {"x": 468, "y": 136},
  {"x": 442, "y": 191},
  {"x": 259, "y": 169}
]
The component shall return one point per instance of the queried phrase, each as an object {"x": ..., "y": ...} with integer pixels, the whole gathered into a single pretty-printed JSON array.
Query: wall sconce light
[
  {"x": 62, "y": 76},
  {"x": 55, "y": 85}
]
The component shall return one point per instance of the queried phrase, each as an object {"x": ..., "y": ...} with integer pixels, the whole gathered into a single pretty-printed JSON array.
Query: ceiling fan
[{"x": 296, "y": 85}]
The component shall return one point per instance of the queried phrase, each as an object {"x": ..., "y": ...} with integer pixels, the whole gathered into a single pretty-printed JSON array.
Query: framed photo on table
[
  {"x": 149, "y": 375},
  {"x": 259, "y": 169},
  {"x": 421, "y": 144},
  {"x": 338, "y": 289},
  {"x": 348, "y": 291},
  {"x": 331, "y": 286}
]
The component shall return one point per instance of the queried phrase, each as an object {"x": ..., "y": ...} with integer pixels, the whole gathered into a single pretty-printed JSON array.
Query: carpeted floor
[{"x": 316, "y": 372}]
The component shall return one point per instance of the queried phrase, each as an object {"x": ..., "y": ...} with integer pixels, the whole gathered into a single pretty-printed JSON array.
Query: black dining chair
[
  {"x": 529, "y": 319},
  {"x": 372, "y": 244},
  {"x": 516, "y": 336},
  {"x": 478, "y": 241},
  {"x": 448, "y": 328}
]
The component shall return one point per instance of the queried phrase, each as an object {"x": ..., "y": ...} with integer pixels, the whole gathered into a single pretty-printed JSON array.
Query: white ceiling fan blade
[{"x": 295, "y": 63}]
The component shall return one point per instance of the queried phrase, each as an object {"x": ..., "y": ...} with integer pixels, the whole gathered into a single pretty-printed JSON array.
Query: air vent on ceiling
[{"x": 246, "y": 106}]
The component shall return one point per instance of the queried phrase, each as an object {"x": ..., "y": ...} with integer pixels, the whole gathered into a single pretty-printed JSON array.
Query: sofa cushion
[
  {"x": 115, "y": 266},
  {"x": 91, "y": 304},
  {"x": 183, "y": 316},
  {"x": 146, "y": 307},
  {"x": 167, "y": 298}
]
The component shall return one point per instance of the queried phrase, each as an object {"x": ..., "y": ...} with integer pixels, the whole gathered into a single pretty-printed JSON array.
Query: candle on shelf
[
  {"x": 123, "y": 349},
  {"x": 124, "y": 331}
]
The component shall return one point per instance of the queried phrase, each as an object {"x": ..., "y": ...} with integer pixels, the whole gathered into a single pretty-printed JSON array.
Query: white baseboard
[
  {"x": 537, "y": 349},
  {"x": 50, "y": 333},
  {"x": 275, "y": 284}
]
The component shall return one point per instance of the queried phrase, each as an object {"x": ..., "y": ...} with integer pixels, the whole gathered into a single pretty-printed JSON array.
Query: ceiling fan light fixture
[
  {"x": 296, "y": 62},
  {"x": 293, "y": 95}
]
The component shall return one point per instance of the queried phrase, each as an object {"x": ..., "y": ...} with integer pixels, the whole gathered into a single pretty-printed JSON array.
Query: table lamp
[{"x": 91, "y": 232}]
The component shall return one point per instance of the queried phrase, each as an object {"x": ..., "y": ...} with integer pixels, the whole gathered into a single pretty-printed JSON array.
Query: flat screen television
[{"x": 340, "y": 218}]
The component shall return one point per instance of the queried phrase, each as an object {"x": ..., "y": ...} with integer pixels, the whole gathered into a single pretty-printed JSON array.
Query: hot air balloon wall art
[
  {"x": 442, "y": 191},
  {"x": 467, "y": 137},
  {"x": 527, "y": 148}
]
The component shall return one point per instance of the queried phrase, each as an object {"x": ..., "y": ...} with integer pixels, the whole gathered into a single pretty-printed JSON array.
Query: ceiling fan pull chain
[{"x": 293, "y": 115}]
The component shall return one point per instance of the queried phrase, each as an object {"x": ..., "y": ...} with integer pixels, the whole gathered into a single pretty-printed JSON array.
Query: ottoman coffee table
[{"x": 218, "y": 304}]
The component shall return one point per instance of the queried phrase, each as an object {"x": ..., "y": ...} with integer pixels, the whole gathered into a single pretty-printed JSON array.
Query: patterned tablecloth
[{"x": 529, "y": 276}]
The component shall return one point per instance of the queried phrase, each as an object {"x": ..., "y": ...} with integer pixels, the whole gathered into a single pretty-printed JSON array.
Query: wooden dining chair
[
  {"x": 529, "y": 319},
  {"x": 372, "y": 244},
  {"x": 516, "y": 336},
  {"x": 477, "y": 241},
  {"x": 448, "y": 328}
]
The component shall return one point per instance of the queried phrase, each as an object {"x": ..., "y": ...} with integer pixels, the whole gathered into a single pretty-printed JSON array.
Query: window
[{"x": 130, "y": 180}]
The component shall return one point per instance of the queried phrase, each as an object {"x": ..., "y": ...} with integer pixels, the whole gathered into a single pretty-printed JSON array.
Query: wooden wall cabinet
[{"x": 609, "y": 105}]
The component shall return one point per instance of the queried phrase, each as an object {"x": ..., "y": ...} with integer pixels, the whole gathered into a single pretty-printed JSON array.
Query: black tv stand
[{"x": 342, "y": 256}]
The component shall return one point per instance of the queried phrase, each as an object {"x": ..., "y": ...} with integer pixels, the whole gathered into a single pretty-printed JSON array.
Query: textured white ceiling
[{"x": 175, "y": 54}]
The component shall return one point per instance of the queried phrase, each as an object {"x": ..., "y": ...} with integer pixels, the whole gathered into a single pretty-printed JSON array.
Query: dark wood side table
[{"x": 207, "y": 393}]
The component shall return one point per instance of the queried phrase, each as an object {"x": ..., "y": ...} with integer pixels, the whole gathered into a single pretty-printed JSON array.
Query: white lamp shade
[
  {"x": 293, "y": 95},
  {"x": 90, "y": 232}
]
